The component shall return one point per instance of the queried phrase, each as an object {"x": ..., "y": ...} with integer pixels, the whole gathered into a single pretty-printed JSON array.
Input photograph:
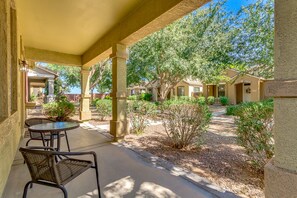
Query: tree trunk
[{"x": 92, "y": 94}]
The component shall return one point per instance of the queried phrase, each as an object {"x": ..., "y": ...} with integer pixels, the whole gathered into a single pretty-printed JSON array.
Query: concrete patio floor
[{"x": 122, "y": 173}]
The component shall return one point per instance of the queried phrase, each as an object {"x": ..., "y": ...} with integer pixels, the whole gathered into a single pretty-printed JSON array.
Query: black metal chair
[
  {"x": 46, "y": 170},
  {"x": 45, "y": 138}
]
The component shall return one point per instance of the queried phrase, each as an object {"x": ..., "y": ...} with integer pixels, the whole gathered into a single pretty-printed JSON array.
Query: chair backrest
[
  {"x": 41, "y": 165},
  {"x": 33, "y": 121}
]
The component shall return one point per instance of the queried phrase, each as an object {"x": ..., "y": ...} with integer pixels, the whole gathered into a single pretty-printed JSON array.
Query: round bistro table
[{"x": 55, "y": 128}]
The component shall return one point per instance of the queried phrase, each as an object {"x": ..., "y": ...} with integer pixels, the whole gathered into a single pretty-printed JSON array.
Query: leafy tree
[
  {"x": 254, "y": 38},
  {"x": 198, "y": 45},
  {"x": 70, "y": 76},
  {"x": 59, "y": 87},
  {"x": 101, "y": 76}
]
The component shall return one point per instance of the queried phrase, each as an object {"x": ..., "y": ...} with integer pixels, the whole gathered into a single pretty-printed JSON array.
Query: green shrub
[
  {"x": 201, "y": 100},
  {"x": 254, "y": 129},
  {"x": 210, "y": 100},
  {"x": 104, "y": 108},
  {"x": 146, "y": 96},
  {"x": 133, "y": 97},
  {"x": 185, "y": 123},
  {"x": 184, "y": 98},
  {"x": 139, "y": 113},
  {"x": 107, "y": 97},
  {"x": 60, "y": 110},
  {"x": 94, "y": 102},
  {"x": 32, "y": 98},
  {"x": 224, "y": 100},
  {"x": 231, "y": 110}
]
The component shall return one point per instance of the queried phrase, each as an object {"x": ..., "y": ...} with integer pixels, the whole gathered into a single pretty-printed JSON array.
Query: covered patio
[
  {"x": 80, "y": 34},
  {"x": 122, "y": 173}
]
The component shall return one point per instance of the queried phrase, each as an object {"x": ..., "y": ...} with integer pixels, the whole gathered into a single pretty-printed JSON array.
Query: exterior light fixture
[{"x": 23, "y": 64}]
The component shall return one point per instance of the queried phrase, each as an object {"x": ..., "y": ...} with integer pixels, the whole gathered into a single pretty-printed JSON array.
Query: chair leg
[
  {"x": 43, "y": 139},
  {"x": 66, "y": 137},
  {"x": 97, "y": 179},
  {"x": 26, "y": 189},
  {"x": 27, "y": 143},
  {"x": 64, "y": 191}
]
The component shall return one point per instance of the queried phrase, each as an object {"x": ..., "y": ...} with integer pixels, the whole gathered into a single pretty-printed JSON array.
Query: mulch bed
[{"x": 220, "y": 159}]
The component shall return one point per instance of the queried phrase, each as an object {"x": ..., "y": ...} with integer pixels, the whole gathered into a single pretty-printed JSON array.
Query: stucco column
[
  {"x": 50, "y": 83},
  {"x": 85, "y": 113},
  {"x": 281, "y": 172},
  {"x": 119, "y": 125}
]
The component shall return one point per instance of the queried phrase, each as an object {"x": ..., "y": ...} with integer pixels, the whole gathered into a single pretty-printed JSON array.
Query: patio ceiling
[{"x": 75, "y": 32}]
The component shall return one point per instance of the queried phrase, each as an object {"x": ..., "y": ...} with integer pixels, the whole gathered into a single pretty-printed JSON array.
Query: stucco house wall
[
  {"x": 252, "y": 87},
  {"x": 12, "y": 93}
]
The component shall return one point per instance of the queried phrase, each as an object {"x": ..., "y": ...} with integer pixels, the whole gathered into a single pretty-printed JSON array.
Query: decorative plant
[
  {"x": 210, "y": 100},
  {"x": 94, "y": 102},
  {"x": 140, "y": 113},
  {"x": 185, "y": 123},
  {"x": 32, "y": 98},
  {"x": 146, "y": 96},
  {"x": 201, "y": 100},
  {"x": 224, "y": 100},
  {"x": 104, "y": 108},
  {"x": 133, "y": 97},
  {"x": 231, "y": 110},
  {"x": 60, "y": 110},
  {"x": 255, "y": 131}
]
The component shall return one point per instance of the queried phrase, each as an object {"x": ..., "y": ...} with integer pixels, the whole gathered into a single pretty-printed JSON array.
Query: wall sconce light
[{"x": 24, "y": 65}]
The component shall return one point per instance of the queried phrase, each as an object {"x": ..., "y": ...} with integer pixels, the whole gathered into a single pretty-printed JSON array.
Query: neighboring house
[
  {"x": 38, "y": 78},
  {"x": 188, "y": 87},
  {"x": 239, "y": 88},
  {"x": 137, "y": 89}
]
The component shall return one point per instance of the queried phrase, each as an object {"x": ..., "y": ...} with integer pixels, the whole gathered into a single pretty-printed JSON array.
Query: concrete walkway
[{"x": 123, "y": 173}]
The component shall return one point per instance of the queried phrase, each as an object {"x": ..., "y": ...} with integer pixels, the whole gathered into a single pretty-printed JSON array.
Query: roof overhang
[{"x": 72, "y": 32}]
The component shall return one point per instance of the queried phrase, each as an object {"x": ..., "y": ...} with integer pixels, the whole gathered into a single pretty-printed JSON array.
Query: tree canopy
[
  {"x": 254, "y": 37},
  {"x": 187, "y": 48},
  {"x": 206, "y": 42},
  {"x": 100, "y": 75}
]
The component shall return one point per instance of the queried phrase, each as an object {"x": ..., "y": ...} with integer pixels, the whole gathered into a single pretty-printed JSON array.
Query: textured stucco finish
[
  {"x": 230, "y": 87},
  {"x": 85, "y": 113},
  {"x": 281, "y": 175},
  {"x": 285, "y": 133},
  {"x": 119, "y": 123},
  {"x": 279, "y": 183},
  {"x": 52, "y": 57},
  {"x": 285, "y": 40},
  {"x": 10, "y": 122}
]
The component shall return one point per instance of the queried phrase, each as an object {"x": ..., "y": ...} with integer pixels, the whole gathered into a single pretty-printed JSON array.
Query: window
[
  {"x": 221, "y": 90},
  {"x": 180, "y": 91},
  {"x": 197, "y": 89}
]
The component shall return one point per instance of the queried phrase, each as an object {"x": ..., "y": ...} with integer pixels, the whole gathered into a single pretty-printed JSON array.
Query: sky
[
  {"x": 235, "y": 5},
  {"x": 231, "y": 5}
]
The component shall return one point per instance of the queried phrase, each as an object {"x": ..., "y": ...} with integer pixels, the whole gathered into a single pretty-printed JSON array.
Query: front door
[{"x": 239, "y": 93}]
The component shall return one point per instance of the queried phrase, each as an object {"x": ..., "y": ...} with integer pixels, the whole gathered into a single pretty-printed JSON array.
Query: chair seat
[{"x": 70, "y": 168}]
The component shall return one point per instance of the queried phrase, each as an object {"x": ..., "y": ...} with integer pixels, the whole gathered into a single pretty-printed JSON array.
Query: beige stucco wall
[
  {"x": 11, "y": 94},
  {"x": 187, "y": 88},
  {"x": 255, "y": 88},
  {"x": 256, "y": 92}
]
